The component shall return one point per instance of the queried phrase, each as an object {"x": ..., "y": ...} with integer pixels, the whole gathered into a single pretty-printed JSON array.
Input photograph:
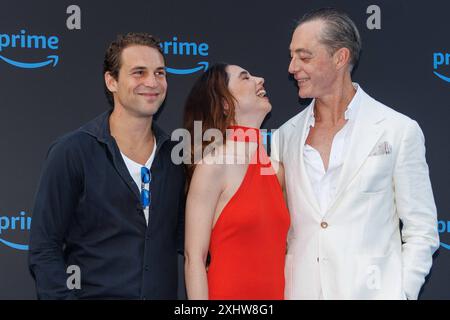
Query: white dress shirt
[{"x": 324, "y": 182}]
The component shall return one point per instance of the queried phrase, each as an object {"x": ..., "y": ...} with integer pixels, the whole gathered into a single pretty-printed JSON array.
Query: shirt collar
[
  {"x": 349, "y": 113},
  {"x": 99, "y": 128}
]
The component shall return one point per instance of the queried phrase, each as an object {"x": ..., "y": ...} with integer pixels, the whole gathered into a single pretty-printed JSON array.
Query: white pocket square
[{"x": 381, "y": 148}]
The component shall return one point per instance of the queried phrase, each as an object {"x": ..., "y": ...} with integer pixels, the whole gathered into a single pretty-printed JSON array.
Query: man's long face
[
  {"x": 141, "y": 85},
  {"x": 311, "y": 64}
]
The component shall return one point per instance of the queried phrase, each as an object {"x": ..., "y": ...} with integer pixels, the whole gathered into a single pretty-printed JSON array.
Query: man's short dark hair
[
  {"x": 339, "y": 32},
  {"x": 113, "y": 55}
]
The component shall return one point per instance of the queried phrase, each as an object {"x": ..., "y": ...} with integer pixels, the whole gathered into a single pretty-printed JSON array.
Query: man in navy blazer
[{"x": 110, "y": 201}]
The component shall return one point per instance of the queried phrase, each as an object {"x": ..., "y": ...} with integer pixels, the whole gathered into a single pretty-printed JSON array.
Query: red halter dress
[{"x": 248, "y": 241}]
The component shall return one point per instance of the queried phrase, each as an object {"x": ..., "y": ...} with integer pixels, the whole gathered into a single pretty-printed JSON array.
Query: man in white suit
[{"x": 354, "y": 169}]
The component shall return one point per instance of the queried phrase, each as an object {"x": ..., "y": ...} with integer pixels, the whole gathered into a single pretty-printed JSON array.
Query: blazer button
[{"x": 324, "y": 225}]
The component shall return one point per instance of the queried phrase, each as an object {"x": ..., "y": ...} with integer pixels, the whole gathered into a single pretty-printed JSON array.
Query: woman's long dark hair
[{"x": 206, "y": 103}]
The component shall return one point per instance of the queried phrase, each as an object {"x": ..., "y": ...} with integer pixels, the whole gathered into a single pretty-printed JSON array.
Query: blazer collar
[{"x": 366, "y": 133}]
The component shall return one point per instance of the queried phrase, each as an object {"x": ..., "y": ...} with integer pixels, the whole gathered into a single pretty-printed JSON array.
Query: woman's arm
[{"x": 204, "y": 191}]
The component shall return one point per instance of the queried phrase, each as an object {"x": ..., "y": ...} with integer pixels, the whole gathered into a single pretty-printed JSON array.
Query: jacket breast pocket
[{"x": 376, "y": 174}]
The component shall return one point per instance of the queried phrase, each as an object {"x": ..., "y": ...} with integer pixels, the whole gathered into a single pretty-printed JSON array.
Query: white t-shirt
[{"x": 135, "y": 171}]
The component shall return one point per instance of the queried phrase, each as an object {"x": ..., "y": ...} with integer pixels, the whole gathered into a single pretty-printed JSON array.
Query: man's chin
[
  {"x": 148, "y": 111},
  {"x": 304, "y": 94}
]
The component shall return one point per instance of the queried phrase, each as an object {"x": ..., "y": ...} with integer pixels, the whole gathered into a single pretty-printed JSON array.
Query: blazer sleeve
[
  {"x": 416, "y": 209},
  {"x": 275, "y": 146},
  {"x": 55, "y": 200}
]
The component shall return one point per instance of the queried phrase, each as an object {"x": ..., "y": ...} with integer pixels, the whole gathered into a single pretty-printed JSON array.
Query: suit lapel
[
  {"x": 366, "y": 133},
  {"x": 304, "y": 181}
]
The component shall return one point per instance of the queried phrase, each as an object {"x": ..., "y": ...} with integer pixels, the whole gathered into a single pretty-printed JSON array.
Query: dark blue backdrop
[{"x": 404, "y": 64}]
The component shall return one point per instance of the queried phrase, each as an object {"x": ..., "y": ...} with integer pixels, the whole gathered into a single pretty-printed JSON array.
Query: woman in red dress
[{"x": 235, "y": 209}]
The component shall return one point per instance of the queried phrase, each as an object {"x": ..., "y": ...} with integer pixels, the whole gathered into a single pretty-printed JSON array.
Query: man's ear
[
  {"x": 111, "y": 82},
  {"x": 342, "y": 58}
]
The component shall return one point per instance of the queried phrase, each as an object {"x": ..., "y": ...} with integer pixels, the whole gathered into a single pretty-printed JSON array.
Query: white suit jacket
[{"x": 356, "y": 250}]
